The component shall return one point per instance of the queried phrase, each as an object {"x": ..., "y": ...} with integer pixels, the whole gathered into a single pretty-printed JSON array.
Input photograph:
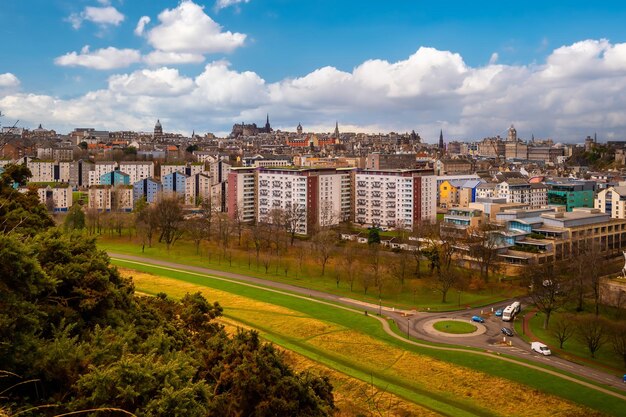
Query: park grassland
[
  {"x": 450, "y": 383},
  {"x": 416, "y": 294},
  {"x": 455, "y": 327}
]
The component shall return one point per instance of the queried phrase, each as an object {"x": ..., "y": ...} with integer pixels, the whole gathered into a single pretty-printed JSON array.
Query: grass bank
[{"x": 356, "y": 345}]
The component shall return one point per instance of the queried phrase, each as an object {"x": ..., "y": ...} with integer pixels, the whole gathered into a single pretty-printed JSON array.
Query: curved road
[{"x": 416, "y": 322}]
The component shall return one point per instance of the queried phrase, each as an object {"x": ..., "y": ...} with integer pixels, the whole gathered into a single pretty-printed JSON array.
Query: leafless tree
[
  {"x": 146, "y": 224},
  {"x": 618, "y": 339},
  {"x": 348, "y": 259},
  {"x": 209, "y": 211},
  {"x": 564, "y": 328},
  {"x": 294, "y": 215},
  {"x": 238, "y": 221},
  {"x": 400, "y": 266},
  {"x": 196, "y": 229},
  {"x": 446, "y": 278},
  {"x": 484, "y": 242},
  {"x": 324, "y": 246},
  {"x": 169, "y": 215},
  {"x": 546, "y": 290},
  {"x": 592, "y": 331}
]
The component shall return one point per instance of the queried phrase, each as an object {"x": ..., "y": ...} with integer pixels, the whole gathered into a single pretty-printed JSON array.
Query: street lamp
[
  {"x": 380, "y": 307},
  {"x": 459, "y": 291},
  {"x": 408, "y": 327}
]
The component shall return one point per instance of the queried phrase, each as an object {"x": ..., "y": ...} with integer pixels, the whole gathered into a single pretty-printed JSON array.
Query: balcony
[
  {"x": 361, "y": 193},
  {"x": 391, "y": 195},
  {"x": 376, "y": 184},
  {"x": 391, "y": 186}
]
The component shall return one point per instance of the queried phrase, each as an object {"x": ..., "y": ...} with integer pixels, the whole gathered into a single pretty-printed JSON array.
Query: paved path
[{"x": 355, "y": 306}]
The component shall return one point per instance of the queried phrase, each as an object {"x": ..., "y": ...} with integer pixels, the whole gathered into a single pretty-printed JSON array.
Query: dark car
[{"x": 507, "y": 331}]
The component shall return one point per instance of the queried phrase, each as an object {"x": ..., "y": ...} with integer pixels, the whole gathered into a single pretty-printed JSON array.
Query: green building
[{"x": 572, "y": 194}]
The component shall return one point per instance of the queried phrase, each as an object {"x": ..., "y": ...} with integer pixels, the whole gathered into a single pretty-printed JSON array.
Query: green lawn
[
  {"x": 605, "y": 357},
  {"x": 357, "y": 367},
  {"x": 416, "y": 294},
  {"x": 454, "y": 327}
]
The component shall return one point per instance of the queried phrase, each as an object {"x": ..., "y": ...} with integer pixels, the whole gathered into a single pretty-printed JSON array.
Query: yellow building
[{"x": 448, "y": 194}]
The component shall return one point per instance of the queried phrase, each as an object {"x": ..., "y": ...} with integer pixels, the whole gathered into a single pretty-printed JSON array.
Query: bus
[{"x": 511, "y": 311}]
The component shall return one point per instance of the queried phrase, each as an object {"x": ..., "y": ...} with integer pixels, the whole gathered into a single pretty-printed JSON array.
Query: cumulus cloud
[
  {"x": 155, "y": 83},
  {"x": 100, "y": 59},
  {"x": 222, "y": 4},
  {"x": 103, "y": 16},
  {"x": 156, "y": 58},
  {"x": 577, "y": 90},
  {"x": 8, "y": 80},
  {"x": 141, "y": 25},
  {"x": 187, "y": 29}
]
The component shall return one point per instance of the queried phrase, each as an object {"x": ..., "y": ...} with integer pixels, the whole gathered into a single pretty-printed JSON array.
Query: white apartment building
[
  {"x": 42, "y": 171},
  {"x": 519, "y": 191},
  {"x": 107, "y": 198},
  {"x": 187, "y": 169},
  {"x": 612, "y": 201},
  {"x": 241, "y": 194},
  {"x": 199, "y": 189},
  {"x": 57, "y": 197},
  {"x": 101, "y": 168},
  {"x": 137, "y": 170},
  {"x": 395, "y": 198},
  {"x": 322, "y": 194}
]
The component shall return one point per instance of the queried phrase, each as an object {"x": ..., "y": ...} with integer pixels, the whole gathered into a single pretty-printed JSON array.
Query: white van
[{"x": 540, "y": 348}]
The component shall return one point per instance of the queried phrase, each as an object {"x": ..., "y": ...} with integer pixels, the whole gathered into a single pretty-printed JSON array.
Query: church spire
[
  {"x": 441, "y": 145},
  {"x": 336, "y": 133}
]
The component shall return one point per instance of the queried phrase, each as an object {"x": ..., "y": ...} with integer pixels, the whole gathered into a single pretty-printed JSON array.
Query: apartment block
[
  {"x": 101, "y": 168},
  {"x": 138, "y": 170},
  {"x": 57, "y": 197},
  {"x": 148, "y": 189},
  {"x": 79, "y": 173},
  {"x": 612, "y": 201},
  {"x": 109, "y": 198},
  {"x": 395, "y": 198},
  {"x": 323, "y": 195},
  {"x": 42, "y": 171},
  {"x": 241, "y": 194}
]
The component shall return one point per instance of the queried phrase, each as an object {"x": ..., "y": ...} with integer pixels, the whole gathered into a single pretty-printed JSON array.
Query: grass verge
[{"x": 335, "y": 337}]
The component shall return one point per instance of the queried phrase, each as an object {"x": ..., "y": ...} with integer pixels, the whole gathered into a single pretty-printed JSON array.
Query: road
[{"x": 418, "y": 325}]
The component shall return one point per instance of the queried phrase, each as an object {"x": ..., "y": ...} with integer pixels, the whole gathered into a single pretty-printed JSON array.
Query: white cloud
[
  {"x": 103, "y": 16},
  {"x": 578, "y": 89},
  {"x": 221, "y": 4},
  {"x": 156, "y": 58},
  {"x": 141, "y": 25},
  {"x": 8, "y": 80},
  {"x": 100, "y": 59},
  {"x": 187, "y": 29},
  {"x": 494, "y": 58},
  {"x": 157, "y": 83}
]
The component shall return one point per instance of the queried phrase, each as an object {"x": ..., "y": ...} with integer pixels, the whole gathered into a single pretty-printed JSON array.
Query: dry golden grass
[{"x": 493, "y": 393}]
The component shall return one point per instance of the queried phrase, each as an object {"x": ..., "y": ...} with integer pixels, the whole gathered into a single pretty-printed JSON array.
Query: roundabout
[{"x": 447, "y": 327}]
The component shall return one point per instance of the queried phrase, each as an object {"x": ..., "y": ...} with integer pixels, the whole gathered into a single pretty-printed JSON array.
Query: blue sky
[{"x": 553, "y": 71}]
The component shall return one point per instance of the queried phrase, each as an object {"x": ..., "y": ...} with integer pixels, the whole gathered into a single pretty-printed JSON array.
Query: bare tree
[
  {"x": 324, "y": 246},
  {"x": 146, "y": 223},
  {"x": 209, "y": 211},
  {"x": 618, "y": 340},
  {"x": 446, "y": 279},
  {"x": 294, "y": 216},
  {"x": 592, "y": 331},
  {"x": 348, "y": 260},
  {"x": 564, "y": 328},
  {"x": 238, "y": 221},
  {"x": 546, "y": 292},
  {"x": 196, "y": 229},
  {"x": 484, "y": 242},
  {"x": 400, "y": 266},
  {"x": 92, "y": 219},
  {"x": 169, "y": 215}
]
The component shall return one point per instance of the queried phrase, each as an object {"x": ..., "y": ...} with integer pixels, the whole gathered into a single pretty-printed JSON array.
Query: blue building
[
  {"x": 176, "y": 182},
  {"x": 148, "y": 188},
  {"x": 115, "y": 178}
]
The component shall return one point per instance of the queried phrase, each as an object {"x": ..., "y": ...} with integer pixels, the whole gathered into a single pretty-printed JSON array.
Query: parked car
[
  {"x": 540, "y": 348},
  {"x": 478, "y": 319},
  {"x": 499, "y": 312},
  {"x": 507, "y": 331}
]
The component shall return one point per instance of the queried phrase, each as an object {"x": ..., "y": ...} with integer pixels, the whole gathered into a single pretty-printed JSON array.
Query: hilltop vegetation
[{"x": 74, "y": 337}]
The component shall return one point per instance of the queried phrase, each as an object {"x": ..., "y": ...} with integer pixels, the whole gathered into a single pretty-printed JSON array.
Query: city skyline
[{"x": 204, "y": 66}]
